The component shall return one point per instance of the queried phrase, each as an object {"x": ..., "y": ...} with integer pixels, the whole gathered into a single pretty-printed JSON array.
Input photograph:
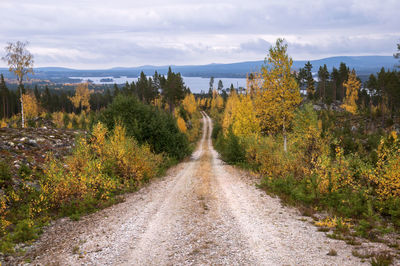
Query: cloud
[{"x": 93, "y": 34}]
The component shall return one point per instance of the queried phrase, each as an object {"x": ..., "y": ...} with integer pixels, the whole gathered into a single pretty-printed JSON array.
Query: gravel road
[{"x": 203, "y": 212}]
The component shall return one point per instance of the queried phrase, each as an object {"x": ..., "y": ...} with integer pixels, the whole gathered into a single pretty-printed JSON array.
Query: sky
[{"x": 88, "y": 34}]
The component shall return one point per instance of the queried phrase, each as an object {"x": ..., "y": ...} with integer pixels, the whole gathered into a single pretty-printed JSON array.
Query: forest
[{"x": 328, "y": 144}]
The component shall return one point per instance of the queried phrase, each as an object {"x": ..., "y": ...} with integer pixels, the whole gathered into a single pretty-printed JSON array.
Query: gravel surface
[{"x": 202, "y": 212}]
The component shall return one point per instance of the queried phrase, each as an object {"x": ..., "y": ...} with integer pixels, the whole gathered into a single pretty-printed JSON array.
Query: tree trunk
[
  {"x": 4, "y": 107},
  {"x": 284, "y": 137},
  {"x": 22, "y": 105}
]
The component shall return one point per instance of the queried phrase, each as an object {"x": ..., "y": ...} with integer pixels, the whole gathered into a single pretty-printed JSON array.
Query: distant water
[{"x": 196, "y": 84}]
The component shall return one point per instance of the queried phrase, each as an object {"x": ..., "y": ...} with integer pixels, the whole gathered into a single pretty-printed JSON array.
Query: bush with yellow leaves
[
  {"x": 98, "y": 168},
  {"x": 386, "y": 175}
]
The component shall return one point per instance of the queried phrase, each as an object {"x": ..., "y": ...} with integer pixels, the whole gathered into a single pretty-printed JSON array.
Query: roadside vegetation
[
  {"x": 123, "y": 140},
  {"x": 334, "y": 149}
]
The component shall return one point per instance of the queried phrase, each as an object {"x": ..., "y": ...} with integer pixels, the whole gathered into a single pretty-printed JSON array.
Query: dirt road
[{"x": 201, "y": 212}]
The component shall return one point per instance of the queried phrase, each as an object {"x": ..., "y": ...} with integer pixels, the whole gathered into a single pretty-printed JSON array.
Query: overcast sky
[{"x": 103, "y": 34}]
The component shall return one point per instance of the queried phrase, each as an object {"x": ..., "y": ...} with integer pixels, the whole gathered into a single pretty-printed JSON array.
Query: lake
[{"x": 196, "y": 84}]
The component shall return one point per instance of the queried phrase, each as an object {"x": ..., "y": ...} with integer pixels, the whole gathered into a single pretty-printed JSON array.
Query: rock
[
  {"x": 317, "y": 107},
  {"x": 34, "y": 185},
  {"x": 9, "y": 143},
  {"x": 23, "y": 139},
  {"x": 32, "y": 142}
]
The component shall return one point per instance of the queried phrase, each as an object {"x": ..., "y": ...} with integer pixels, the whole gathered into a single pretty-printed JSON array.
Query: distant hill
[{"x": 364, "y": 65}]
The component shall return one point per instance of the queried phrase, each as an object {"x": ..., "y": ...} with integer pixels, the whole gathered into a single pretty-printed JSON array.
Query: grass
[{"x": 332, "y": 252}]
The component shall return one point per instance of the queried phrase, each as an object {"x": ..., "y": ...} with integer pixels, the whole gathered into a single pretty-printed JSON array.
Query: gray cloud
[{"x": 101, "y": 33}]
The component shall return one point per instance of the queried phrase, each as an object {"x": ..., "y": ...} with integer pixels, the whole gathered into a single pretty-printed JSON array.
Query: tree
[
  {"x": 310, "y": 87},
  {"x": 323, "y": 76},
  {"x": 212, "y": 83},
  {"x": 397, "y": 55},
  {"x": 335, "y": 83},
  {"x": 31, "y": 105},
  {"x": 81, "y": 97},
  {"x": 189, "y": 103},
  {"x": 352, "y": 86},
  {"x": 343, "y": 76},
  {"x": 116, "y": 90},
  {"x": 277, "y": 100},
  {"x": 20, "y": 62},
  {"x": 220, "y": 86},
  {"x": 174, "y": 89},
  {"x": 4, "y": 95}
]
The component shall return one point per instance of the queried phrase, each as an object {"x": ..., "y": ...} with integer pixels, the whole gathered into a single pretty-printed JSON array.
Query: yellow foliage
[
  {"x": 189, "y": 103},
  {"x": 333, "y": 175},
  {"x": 333, "y": 222},
  {"x": 279, "y": 96},
  {"x": 58, "y": 119},
  {"x": 31, "y": 106},
  {"x": 157, "y": 102},
  {"x": 352, "y": 86},
  {"x": 3, "y": 123},
  {"x": 254, "y": 83},
  {"x": 98, "y": 168},
  {"x": 4, "y": 223},
  {"x": 230, "y": 111},
  {"x": 386, "y": 175},
  {"x": 181, "y": 124},
  {"x": 81, "y": 97},
  {"x": 217, "y": 103},
  {"x": 240, "y": 115}
]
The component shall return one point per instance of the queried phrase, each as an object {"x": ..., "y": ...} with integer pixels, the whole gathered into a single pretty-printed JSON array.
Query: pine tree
[
  {"x": 309, "y": 81},
  {"x": 335, "y": 84},
  {"x": 397, "y": 55},
  {"x": 343, "y": 76},
  {"x": 280, "y": 95},
  {"x": 323, "y": 76},
  {"x": 174, "y": 89},
  {"x": 220, "y": 86},
  {"x": 4, "y": 95},
  {"x": 116, "y": 90}
]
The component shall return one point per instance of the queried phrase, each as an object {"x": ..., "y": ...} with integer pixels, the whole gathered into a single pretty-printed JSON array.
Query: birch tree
[
  {"x": 279, "y": 96},
  {"x": 20, "y": 62}
]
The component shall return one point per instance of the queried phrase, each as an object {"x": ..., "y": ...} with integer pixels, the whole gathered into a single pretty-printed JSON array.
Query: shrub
[
  {"x": 232, "y": 151},
  {"x": 147, "y": 124},
  {"x": 5, "y": 174}
]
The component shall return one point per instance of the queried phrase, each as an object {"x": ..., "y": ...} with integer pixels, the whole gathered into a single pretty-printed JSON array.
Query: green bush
[
  {"x": 230, "y": 148},
  {"x": 147, "y": 124},
  {"x": 217, "y": 130},
  {"x": 5, "y": 174}
]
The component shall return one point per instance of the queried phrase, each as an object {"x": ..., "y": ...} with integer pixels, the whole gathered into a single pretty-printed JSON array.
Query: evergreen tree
[
  {"x": 174, "y": 90},
  {"x": 323, "y": 78},
  {"x": 211, "y": 83},
  {"x": 310, "y": 86},
  {"x": 116, "y": 90},
  {"x": 142, "y": 87},
  {"x": 37, "y": 94},
  {"x": 220, "y": 85},
  {"x": 4, "y": 95},
  {"x": 343, "y": 76},
  {"x": 335, "y": 84},
  {"x": 46, "y": 99},
  {"x": 397, "y": 55}
]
